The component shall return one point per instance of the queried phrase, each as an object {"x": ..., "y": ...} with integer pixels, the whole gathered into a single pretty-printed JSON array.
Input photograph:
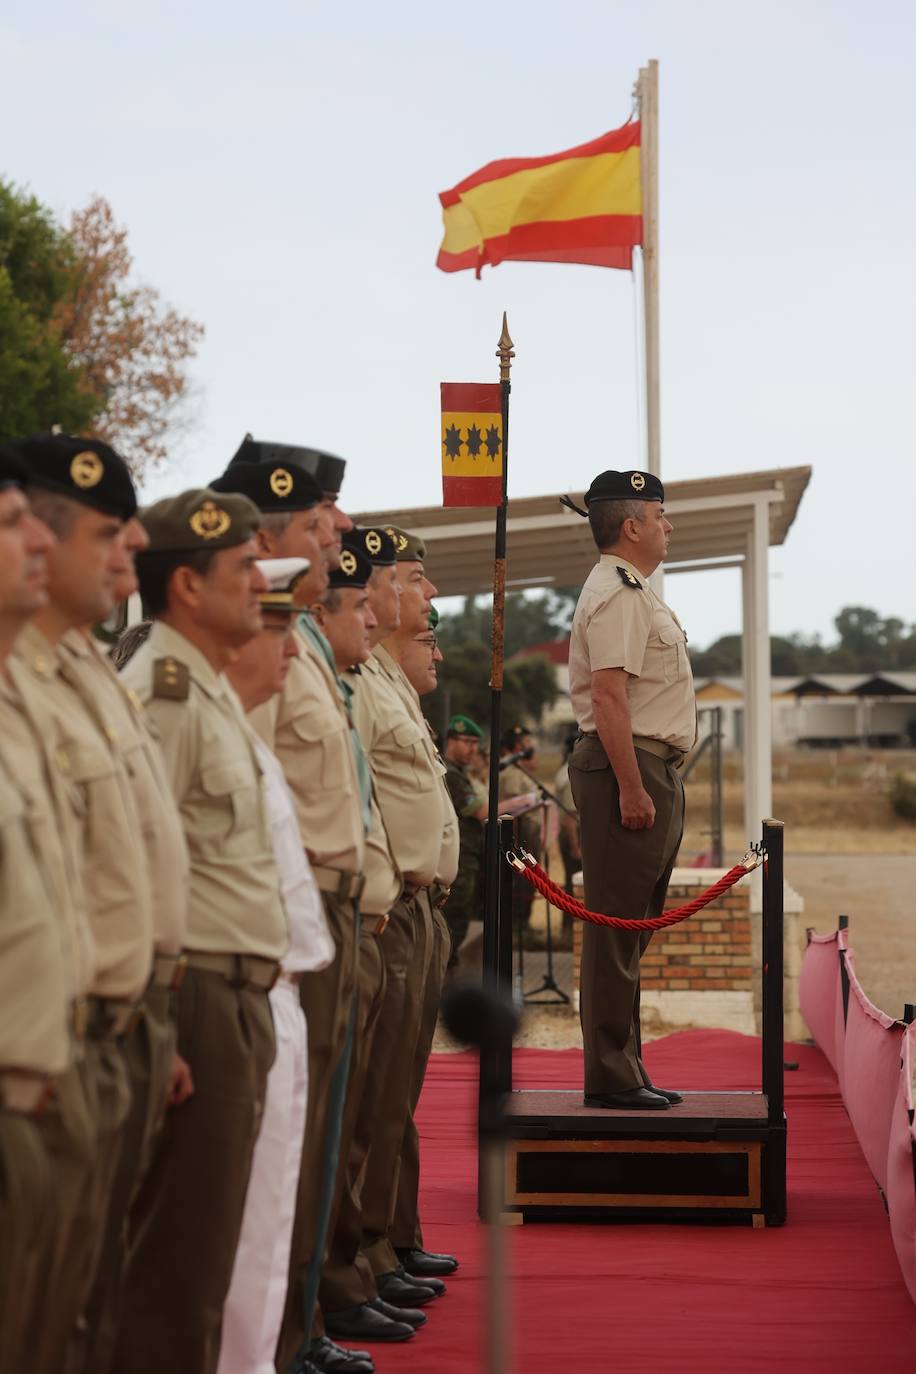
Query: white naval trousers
[{"x": 257, "y": 1293}]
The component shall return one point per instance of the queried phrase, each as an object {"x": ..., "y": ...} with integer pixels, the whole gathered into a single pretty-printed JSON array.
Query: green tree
[
  {"x": 529, "y": 686},
  {"x": 39, "y": 383},
  {"x": 81, "y": 345}
]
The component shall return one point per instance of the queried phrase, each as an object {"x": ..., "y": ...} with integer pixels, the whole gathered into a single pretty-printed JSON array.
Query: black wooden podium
[{"x": 717, "y": 1157}]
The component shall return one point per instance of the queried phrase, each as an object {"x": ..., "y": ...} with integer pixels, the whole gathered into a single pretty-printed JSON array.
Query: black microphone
[
  {"x": 476, "y": 1015},
  {"x": 520, "y": 757}
]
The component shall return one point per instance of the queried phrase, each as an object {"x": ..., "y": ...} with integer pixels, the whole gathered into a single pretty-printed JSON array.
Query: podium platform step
[{"x": 713, "y": 1157}]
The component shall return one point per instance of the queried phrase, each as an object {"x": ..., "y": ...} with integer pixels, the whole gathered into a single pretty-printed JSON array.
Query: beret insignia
[
  {"x": 87, "y": 470},
  {"x": 210, "y": 521},
  {"x": 637, "y": 481},
  {"x": 627, "y": 577},
  {"x": 400, "y": 540},
  {"x": 281, "y": 482},
  {"x": 373, "y": 542},
  {"x": 348, "y": 562},
  {"x": 171, "y": 679}
]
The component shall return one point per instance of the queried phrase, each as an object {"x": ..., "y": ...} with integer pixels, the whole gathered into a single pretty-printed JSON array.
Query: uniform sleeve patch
[{"x": 171, "y": 679}]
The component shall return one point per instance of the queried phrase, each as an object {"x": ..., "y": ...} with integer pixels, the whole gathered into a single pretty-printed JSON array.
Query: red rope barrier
[{"x": 526, "y": 864}]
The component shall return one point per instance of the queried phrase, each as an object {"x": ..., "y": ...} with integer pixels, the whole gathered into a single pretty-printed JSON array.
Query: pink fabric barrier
[
  {"x": 871, "y": 1073},
  {"x": 818, "y": 990},
  {"x": 901, "y": 1167}
]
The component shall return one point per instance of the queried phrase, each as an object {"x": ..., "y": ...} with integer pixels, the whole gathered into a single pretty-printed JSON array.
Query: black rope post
[
  {"x": 773, "y": 1036},
  {"x": 774, "y": 1154},
  {"x": 842, "y": 923}
]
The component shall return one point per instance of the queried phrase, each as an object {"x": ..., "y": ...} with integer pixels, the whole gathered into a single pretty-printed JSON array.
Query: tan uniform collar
[
  {"x": 614, "y": 560},
  {"x": 166, "y": 642},
  {"x": 38, "y": 652},
  {"x": 389, "y": 666}
]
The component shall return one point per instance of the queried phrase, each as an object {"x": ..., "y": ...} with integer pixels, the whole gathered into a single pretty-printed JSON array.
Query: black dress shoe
[
  {"x": 412, "y": 1315},
  {"x": 421, "y": 1264},
  {"x": 437, "y": 1286},
  {"x": 631, "y": 1099},
  {"x": 399, "y": 1290},
  {"x": 666, "y": 1093},
  {"x": 329, "y": 1358},
  {"x": 363, "y": 1323}
]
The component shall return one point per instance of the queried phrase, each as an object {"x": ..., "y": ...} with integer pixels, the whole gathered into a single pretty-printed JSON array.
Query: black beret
[
  {"x": 354, "y": 571},
  {"x": 86, "y": 470},
  {"x": 199, "y": 519},
  {"x": 375, "y": 544},
  {"x": 325, "y": 467},
  {"x": 271, "y": 486},
  {"x": 510, "y": 738},
  {"x": 12, "y": 469},
  {"x": 625, "y": 486}
]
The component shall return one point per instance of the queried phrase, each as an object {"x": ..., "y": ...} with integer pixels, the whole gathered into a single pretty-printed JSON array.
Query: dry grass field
[{"x": 846, "y": 852}]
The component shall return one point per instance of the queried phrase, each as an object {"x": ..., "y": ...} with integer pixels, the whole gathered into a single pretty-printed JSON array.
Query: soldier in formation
[{"x": 224, "y": 882}]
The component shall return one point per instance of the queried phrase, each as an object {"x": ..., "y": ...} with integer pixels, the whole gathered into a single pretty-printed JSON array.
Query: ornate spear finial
[{"x": 505, "y": 352}]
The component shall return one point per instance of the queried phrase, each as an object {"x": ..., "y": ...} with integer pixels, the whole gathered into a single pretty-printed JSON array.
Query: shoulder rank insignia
[
  {"x": 627, "y": 577},
  {"x": 171, "y": 679}
]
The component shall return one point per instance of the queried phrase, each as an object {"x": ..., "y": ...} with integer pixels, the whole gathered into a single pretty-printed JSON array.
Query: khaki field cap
[
  {"x": 407, "y": 547},
  {"x": 200, "y": 519}
]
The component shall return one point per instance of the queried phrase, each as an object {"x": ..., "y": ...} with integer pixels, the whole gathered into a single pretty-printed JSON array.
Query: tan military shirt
[
  {"x": 621, "y": 623},
  {"x": 448, "y": 855},
  {"x": 34, "y": 979},
  {"x": 56, "y": 810},
  {"x": 383, "y": 879},
  {"x": 88, "y": 670},
  {"x": 235, "y": 905},
  {"x": 114, "y": 870},
  {"x": 308, "y": 729},
  {"x": 405, "y": 768}
]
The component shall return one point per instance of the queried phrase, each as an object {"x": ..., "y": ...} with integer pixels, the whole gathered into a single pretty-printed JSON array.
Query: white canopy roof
[{"x": 548, "y": 544}]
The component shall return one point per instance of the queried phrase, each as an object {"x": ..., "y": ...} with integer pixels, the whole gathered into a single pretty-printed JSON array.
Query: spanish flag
[
  {"x": 472, "y": 444},
  {"x": 584, "y": 205}
]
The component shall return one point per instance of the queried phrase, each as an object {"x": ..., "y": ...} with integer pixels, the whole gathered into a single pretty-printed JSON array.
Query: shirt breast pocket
[
  {"x": 413, "y": 756},
  {"x": 673, "y": 652},
  {"x": 230, "y": 809},
  {"x": 326, "y": 741}
]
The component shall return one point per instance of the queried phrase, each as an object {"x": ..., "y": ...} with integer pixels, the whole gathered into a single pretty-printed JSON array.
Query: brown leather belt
[
  {"x": 241, "y": 970},
  {"x": 168, "y": 970},
  {"x": 111, "y": 1016},
  {"x": 79, "y": 1017},
  {"x": 438, "y": 895},
  {"x": 24, "y": 1092},
  {"x": 339, "y": 882},
  {"x": 377, "y": 924}
]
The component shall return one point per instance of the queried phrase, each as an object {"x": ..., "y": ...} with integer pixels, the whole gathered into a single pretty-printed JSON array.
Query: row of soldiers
[{"x": 222, "y": 943}]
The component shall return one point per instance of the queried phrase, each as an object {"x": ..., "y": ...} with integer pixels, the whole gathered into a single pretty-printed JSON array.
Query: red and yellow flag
[
  {"x": 472, "y": 444},
  {"x": 584, "y": 205}
]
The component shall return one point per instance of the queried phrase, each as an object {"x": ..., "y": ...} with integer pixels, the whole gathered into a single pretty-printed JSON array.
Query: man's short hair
[
  {"x": 276, "y": 522},
  {"x": 607, "y": 519},
  {"x": 154, "y": 573},
  {"x": 57, "y": 511}
]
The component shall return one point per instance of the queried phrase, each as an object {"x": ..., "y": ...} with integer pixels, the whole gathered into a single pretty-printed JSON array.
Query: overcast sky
[{"x": 278, "y": 165}]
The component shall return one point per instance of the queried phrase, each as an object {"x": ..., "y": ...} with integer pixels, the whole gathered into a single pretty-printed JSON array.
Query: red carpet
[{"x": 822, "y": 1293}]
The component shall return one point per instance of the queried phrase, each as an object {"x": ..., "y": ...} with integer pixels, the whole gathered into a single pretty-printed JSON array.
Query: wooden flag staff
[{"x": 505, "y": 353}]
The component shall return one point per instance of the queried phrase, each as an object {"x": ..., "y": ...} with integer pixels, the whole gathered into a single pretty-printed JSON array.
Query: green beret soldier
[
  {"x": 632, "y": 694},
  {"x": 462, "y": 741}
]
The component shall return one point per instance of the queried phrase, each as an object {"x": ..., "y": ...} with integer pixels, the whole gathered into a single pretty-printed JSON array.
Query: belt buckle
[
  {"x": 79, "y": 1018},
  {"x": 178, "y": 972},
  {"x": 381, "y": 925}
]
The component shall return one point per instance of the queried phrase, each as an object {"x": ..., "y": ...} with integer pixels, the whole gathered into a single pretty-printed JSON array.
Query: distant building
[{"x": 821, "y": 710}]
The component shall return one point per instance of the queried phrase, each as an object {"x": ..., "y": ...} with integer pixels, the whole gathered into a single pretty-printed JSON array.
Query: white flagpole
[{"x": 648, "y": 149}]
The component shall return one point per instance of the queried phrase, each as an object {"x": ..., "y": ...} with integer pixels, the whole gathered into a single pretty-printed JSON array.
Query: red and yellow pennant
[
  {"x": 583, "y": 205},
  {"x": 472, "y": 444}
]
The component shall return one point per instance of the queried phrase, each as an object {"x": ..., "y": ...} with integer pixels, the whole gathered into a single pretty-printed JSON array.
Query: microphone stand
[{"x": 535, "y": 996}]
